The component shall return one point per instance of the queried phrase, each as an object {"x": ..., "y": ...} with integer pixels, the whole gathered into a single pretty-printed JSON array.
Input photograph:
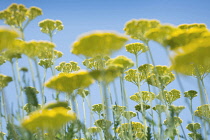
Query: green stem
[{"x": 39, "y": 80}]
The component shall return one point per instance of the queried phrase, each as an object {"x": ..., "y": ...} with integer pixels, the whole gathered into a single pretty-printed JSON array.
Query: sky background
[{"x": 81, "y": 16}]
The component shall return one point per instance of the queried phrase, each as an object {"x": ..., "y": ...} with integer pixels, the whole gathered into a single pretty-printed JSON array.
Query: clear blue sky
[{"x": 81, "y": 16}]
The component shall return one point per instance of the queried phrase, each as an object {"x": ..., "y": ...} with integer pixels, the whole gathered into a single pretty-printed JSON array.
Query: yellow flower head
[
  {"x": 142, "y": 107},
  {"x": 136, "y": 48},
  {"x": 67, "y": 82},
  {"x": 98, "y": 43},
  {"x": 41, "y": 49},
  {"x": 180, "y": 38},
  {"x": 103, "y": 124},
  {"x": 98, "y": 108},
  {"x": 193, "y": 127},
  {"x": 108, "y": 74},
  {"x": 172, "y": 121},
  {"x": 121, "y": 61},
  {"x": 48, "y": 26},
  {"x": 48, "y": 119},
  {"x": 96, "y": 63},
  {"x": 46, "y": 63},
  {"x": 16, "y": 14},
  {"x": 138, "y": 28},
  {"x": 160, "y": 108},
  {"x": 68, "y": 67},
  {"x": 132, "y": 75},
  {"x": 170, "y": 96},
  {"x": 82, "y": 92},
  {"x": 161, "y": 76},
  {"x": 136, "y": 127},
  {"x": 129, "y": 114},
  {"x": 4, "y": 80},
  {"x": 118, "y": 110},
  {"x": 176, "y": 109},
  {"x": 203, "y": 111},
  {"x": 160, "y": 34},
  {"x": 189, "y": 26},
  {"x": 193, "y": 59},
  {"x": 7, "y": 38},
  {"x": 33, "y": 12},
  {"x": 190, "y": 94}
]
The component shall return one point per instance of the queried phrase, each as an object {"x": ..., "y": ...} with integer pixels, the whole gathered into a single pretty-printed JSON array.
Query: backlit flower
[
  {"x": 48, "y": 119},
  {"x": 138, "y": 28},
  {"x": 67, "y": 82},
  {"x": 98, "y": 43}
]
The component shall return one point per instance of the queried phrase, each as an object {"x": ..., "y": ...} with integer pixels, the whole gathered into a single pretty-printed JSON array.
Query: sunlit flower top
[
  {"x": 128, "y": 114},
  {"x": 136, "y": 127},
  {"x": 203, "y": 111},
  {"x": 98, "y": 108},
  {"x": 173, "y": 121},
  {"x": 103, "y": 124},
  {"x": 180, "y": 38},
  {"x": 169, "y": 96},
  {"x": 16, "y": 14},
  {"x": 98, "y": 43},
  {"x": 194, "y": 58},
  {"x": 7, "y": 38},
  {"x": 48, "y": 26},
  {"x": 136, "y": 48},
  {"x": 121, "y": 61},
  {"x": 161, "y": 76},
  {"x": 41, "y": 49},
  {"x": 108, "y": 74},
  {"x": 67, "y": 82},
  {"x": 96, "y": 63},
  {"x": 48, "y": 119},
  {"x": 190, "y": 94},
  {"x": 4, "y": 80},
  {"x": 193, "y": 127},
  {"x": 161, "y": 33},
  {"x": 137, "y": 29},
  {"x": 67, "y": 67},
  {"x": 145, "y": 96}
]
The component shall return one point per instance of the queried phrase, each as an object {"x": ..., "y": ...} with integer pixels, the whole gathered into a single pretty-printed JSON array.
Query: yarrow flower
[
  {"x": 121, "y": 61},
  {"x": 96, "y": 63},
  {"x": 190, "y": 94},
  {"x": 128, "y": 114},
  {"x": 98, "y": 108},
  {"x": 169, "y": 96},
  {"x": 136, "y": 127},
  {"x": 103, "y": 124},
  {"x": 161, "y": 76},
  {"x": 136, "y": 48},
  {"x": 7, "y": 38},
  {"x": 98, "y": 43},
  {"x": 4, "y": 80},
  {"x": 48, "y": 119},
  {"x": 161, "y": 33},
  {"x": 41, "y": 49},
  {"x": 137, "y": 29},
  {"x": 194, "y": 59},
  {"x": 203, "y": 111},
  {"x": 67, "y": 82},
  {"x": 49, "y": 26},
  {"x": 16, "y": 14},
  {"x": 143, "y": 95},
  {"x": 67, "y": 67},
  {"x": 108, "y": 74}
]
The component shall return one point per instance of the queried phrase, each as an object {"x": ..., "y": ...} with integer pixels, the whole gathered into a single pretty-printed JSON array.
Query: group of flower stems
[{"x": 154, "y": 116}]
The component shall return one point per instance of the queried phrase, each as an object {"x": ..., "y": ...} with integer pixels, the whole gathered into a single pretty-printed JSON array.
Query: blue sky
[{"x": 81, "y": 16}]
